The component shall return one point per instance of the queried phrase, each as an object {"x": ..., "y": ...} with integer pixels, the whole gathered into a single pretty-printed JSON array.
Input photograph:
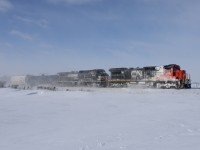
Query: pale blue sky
[{"x": 50, "y": 36}]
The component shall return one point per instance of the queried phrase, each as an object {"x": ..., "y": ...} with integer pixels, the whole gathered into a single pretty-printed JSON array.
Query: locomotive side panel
[{"x": 96, "y": 77}]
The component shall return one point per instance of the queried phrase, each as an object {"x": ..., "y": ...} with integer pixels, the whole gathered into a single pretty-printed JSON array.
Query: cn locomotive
[{"x": 168, "y": 76}]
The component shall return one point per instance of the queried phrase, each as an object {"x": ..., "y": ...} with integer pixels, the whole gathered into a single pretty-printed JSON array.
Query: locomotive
[
  {"x": 168, "y": 76},
  {"x": 95, "y": 77}
]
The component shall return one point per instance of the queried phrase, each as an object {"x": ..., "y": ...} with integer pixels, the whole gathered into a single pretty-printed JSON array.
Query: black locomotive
[{"x": 95, "y": 77}]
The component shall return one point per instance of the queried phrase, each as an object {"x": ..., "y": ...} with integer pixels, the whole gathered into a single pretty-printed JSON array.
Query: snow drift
[{"x": 100, "y": 119}]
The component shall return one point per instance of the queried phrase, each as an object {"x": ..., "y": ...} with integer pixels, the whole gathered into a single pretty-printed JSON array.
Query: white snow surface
[{"x": 100, "y": 119}]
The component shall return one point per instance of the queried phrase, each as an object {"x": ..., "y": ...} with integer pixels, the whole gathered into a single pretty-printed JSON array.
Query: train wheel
[
  {"x": 182, "y": 84},
  {"x": 155, "y": 85},
  {"x": 178, "y": 85}
]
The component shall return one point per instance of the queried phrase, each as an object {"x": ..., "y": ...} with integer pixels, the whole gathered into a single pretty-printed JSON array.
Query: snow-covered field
[{"x": 100, "y": 119}]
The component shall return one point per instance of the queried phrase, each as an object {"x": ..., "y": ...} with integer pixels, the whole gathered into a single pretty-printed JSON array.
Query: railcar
[{"x": 95, "y": 77}]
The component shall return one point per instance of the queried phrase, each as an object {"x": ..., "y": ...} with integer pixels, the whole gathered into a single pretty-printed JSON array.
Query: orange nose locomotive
[{"x": 168, "y": 76}]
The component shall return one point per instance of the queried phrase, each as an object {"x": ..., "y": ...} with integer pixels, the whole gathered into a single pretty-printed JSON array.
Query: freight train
[{"x": 167, "y": 76}]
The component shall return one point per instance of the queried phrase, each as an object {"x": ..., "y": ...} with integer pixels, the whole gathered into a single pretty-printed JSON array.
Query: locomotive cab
[{"x": 174, "y": 71}]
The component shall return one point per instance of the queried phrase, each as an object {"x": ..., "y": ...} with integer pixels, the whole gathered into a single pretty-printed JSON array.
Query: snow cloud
[
  {"x": 5, "y": 5},
  {"x": 21, "y": 35}
]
